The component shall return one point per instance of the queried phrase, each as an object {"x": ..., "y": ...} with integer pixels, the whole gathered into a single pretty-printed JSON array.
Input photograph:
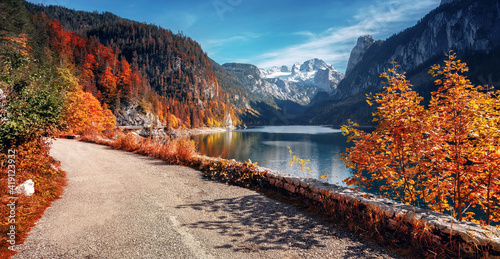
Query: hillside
[
  {"x": 471, "y": 28},
  {"x": 183, "y": 84},
  {"x": 148, "y": 75},
  {"x": 253, "y": 110}
]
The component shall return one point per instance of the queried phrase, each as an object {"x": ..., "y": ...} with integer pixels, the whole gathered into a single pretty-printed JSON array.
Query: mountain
[
  {"x": 253, "y": 110},
  {"x": 358, "y": 51},
  {"x": 471, "y": 28},
  {"x": 179, "y": 82},
  {"x": 298, "y": 84},
  {"x": 313, "y": 73}
]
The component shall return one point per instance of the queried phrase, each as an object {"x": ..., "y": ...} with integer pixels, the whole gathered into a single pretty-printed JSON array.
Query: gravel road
[{"x": 122, "y": 205}]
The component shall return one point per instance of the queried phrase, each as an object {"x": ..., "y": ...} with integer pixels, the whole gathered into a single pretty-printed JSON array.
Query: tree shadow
[
  {"x": 256, "y": 222},
  {"x": 261, "y": 223}
]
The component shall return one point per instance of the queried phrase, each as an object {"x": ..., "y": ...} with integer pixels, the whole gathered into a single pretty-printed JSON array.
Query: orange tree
[
  {"x": 84, "y": 114},
  {"x": 445, "y": 156},
  {"x": 466, "y": 140},
  {"x": 390, "y": 156}
]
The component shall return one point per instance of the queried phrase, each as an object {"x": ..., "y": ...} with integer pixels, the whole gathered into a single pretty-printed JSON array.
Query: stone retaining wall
[
  {"x": 474, "y": 240},
  {"x": 425, "y": 233}
]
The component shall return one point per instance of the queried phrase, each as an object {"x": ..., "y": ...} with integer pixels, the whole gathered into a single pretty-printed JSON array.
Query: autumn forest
[{"x": 73, "y": 73}]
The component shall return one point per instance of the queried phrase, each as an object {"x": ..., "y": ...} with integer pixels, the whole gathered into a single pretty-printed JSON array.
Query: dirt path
[{"x": 122, "y": 205}]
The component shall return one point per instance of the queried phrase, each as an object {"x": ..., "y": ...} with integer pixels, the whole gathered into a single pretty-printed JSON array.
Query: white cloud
[
  {"x": 219, "y": 42},
  {"x": 335, "y": 44},
  {"x": 187, "y": 20},
  {"x": 216, "y": 46},
  {"x": 305, "y": 33}
]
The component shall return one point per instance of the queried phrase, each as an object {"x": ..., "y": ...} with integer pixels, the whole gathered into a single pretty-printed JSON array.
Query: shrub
[
  {"x": 186, "y": 149},
  {"x": 31, "y": 161}
]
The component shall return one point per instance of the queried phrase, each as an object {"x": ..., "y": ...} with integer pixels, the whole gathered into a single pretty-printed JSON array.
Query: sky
[{"x": 269, "y": 33}]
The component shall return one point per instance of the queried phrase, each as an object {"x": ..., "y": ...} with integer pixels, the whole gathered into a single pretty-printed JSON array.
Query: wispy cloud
[
  {"x": 218, "y": 45},
  {"x": 334, "y": 44},
  {"x": 305, "y": 33},
  {"x": 220, "y": 42}
]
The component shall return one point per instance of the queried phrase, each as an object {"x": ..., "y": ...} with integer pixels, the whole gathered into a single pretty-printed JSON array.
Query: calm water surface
[{"x": 268, "y": 147}]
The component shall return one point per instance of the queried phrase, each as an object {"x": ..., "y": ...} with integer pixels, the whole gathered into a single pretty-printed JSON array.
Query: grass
[{"x": 173, "y": 150}]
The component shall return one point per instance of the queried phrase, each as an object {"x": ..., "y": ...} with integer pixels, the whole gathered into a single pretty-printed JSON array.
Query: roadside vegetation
[
  {"x": 40, "y": 97},
  {"x": 443, "y": 156},
  {"x": 32, "y": 91}
]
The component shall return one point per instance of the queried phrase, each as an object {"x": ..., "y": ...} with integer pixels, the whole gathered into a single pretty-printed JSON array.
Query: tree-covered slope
[{"x": 184, "y": 88}]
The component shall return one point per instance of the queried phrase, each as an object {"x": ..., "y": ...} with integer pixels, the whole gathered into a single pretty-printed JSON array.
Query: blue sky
[{"x": 269, "y": 32}]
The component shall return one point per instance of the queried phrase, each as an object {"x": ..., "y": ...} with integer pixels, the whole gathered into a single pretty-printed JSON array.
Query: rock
[
  {"x": 327, "y": 80},
  {"x": 364, "y": 42},
  {"x": 130, "y": 116},
  {"x": 27, "y": 188},
  {"x": 469, "y": 28},
  {"x": 295, "y": 69}
]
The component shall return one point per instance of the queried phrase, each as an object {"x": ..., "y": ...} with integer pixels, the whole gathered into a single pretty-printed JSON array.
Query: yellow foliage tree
[
  {"x": 85, "y": 115},
  {"x": 445, "y": 156}
]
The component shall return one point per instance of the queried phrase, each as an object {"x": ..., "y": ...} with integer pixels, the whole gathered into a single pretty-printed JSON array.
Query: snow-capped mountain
[
  {"x": 298, "y": 84},
  {"x": 264, "y": 88},
  {"x": 313, "y": 73}
]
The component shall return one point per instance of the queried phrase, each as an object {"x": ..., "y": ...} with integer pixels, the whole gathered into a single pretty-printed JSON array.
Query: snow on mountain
[
  {"x": 298, "y": 84},
  {"x": 312, "y": 73}
]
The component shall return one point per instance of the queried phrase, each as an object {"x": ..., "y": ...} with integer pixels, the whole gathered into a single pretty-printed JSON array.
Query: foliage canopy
[{"x": 444, "y": 157}]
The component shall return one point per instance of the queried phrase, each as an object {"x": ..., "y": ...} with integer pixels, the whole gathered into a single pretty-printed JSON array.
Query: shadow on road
[
  {"x": 256, "y": 222},
  {"x": 265, "y": 224}
]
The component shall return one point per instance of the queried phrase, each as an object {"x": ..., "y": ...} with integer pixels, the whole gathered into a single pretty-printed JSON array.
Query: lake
[{"x": 268, "y": 147}]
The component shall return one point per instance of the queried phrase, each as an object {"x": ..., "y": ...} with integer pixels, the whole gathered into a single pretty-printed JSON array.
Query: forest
[
  {"x": 127, "y": 64},
  {"x": 69, "y": 72}
]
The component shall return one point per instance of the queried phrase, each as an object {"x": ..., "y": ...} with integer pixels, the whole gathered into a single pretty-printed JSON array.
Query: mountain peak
[
  {"x": 298, "y": 84},
  {"x": 295, "y": 68},
  {"x": 364, "y": 42},
  {"x": 314, "y": 65},
  {"x": 298, "y": 72}
]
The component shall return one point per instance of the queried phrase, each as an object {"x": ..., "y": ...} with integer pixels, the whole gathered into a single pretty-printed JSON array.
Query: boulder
[{"x": 27, "y": 188}]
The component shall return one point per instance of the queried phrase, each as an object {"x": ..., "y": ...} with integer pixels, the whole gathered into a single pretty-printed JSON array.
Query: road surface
[{"x": 122, "y": 205}]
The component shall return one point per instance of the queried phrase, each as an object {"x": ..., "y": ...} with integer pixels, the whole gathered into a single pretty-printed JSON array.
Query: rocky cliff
[
  {"x": 471, "y": 28},
  {"x": 358, "y": 51},
  {"x": 465, "y": 26}
]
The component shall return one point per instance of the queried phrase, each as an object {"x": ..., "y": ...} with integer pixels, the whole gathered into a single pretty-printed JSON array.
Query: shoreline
[{"x": 199, "y": 131}]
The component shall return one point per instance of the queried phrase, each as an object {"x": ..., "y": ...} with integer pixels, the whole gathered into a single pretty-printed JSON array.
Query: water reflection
[{"x": 268, "y": 146}]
